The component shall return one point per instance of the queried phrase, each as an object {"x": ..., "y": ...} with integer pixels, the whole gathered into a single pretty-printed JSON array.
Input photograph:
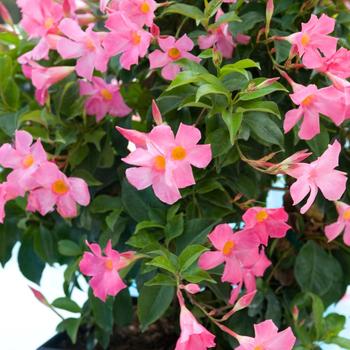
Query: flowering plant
[{"x": 141, "y": 143}]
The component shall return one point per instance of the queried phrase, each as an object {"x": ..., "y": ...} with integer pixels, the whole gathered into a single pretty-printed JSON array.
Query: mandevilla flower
[
  {"x": 341, "y": 225},
  {"x": 165, "y": 163},
  {"x": 312, "y": 101},
  {"x": 24, "y": 158},
  {"x": 140, "y": 12},
  {"x": 55, "y": 189},
  {"x": 313, "y": 39},
  {"x": 218, "y": 37},
  {"x": 40, "y": 18},
  {"x": 104, "y": 270},
  {"x": 85, "y": 46},
  {"x": 236, "y": 250},
  {"x": 103, "y": 98},
  {"x": 126, "y": 38},
  {"x": 193, "y": 335},
  {"x": 320, "y": 174},
  {"x": 172, "y": 50},
  {"x": 44, "y": 77},
  {"x": 267, "y": 337},
  {"x": 249, "y": 275},
  {"x": 266, "y": 222}
]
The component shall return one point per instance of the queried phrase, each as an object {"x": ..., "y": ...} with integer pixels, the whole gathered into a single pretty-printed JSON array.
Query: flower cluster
[
  {"x": 240, "y": 251},
  {"x": 46, "y": 185}
]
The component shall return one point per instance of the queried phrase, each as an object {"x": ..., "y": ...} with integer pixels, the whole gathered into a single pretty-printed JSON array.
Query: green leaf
[
  {"x": 239, "y": 67},
  {"x": 29, "y": 263},
  {"x": 104, "y": 204},
  {"x": 233, "y": 122},
  {"x": 184, "y": 78},
  {"x": 344, "y": 343},
  {"x": 207, "y": 89},
  {"x": 185, "y": 10},
  {"x": 66, "y": 304},
  {"x": 69, "y": 248},
  {"x": 163, "y": 262},
  {"x": 71, "y": 326},
  {"x": 264, "y": 129},
  {"x": 152, "y": 303},
  {"x": 85, "y": 175},
  {"x": 315, "y": 270},
  {"x": 333, "y": 325},
  {"x": 225, "y": 18},
  {"x": 174, "y": 227},
  {"x": 161, "y": 280},
  {"x": 123, "y": 308},
  {"x": 144, "y": 225},
  {"x": 260, "y": 106},
  {"x": 103, "y": 313},
  {"x": 77, "y": 155},
  {"x": 189, "y": 255},
  {"x": 212, "y": 7},
  {"x": 253, "y": 91}
]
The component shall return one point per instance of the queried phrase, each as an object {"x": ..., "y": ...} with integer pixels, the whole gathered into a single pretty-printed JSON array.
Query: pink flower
[
  {"x": 40, "y": 19},
  {"x": 44, "y": 77},
  {"x": 138, "y": 138},
  {"x": 103, "y": 98},
  {"x": 8, "y": 191},
  {"x": 191, "y": 288},
  {"x": 126, "y": 38},
  {"x": 55, "y": 189},
  {"x": 104, "y": 269},
  {"x": 320, "y": 174},
  {"x": 24, "y": 158},
  {"x": 219, "y": 37},
  {"x": 236, "y": 250},
  {"x": 249, "y": 275},
  {"x": 193, "y": 335},
  {"x": 328, "y": 101},
  {"x": 166, "y": 162},
  {"x": 313, "y": 39},
  {"x": 342, "y": 224},
  {"x": 337, "y": 64},
  {"x": 267, "y": 337},
  {"x": 85, "y": 46},
  {"x": 266, "y": 222},
  {"x": 173, "y": 50},
  {"x": 140, "y": 12}
]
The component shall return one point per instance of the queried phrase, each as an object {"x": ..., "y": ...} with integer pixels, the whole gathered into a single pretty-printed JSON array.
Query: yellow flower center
[
  {"x": 90, "y": 45},
  {"x": 307, "y": 101},
  {"x": 261, "y": 216},
  {"x": 259, "y": 347},
  {"x": 305, "y": 39},
  {"x": 159, "y": 163},
  {"x": 109, "y": 264},
  {"x": 174, "y": 53},
  {"x": 106, "y": 94},
  {"x": 49, "y": 23},
  {"x": 346, "y": 215},
  {"x": 178, "y": 153},
  {"x": 228, "y": 247},
  {"x": 60, "y": 187},
  {"x": 144, "y": 8},
  {"x": 28, "y": 161},
  {"x": 135, "y": 38}
]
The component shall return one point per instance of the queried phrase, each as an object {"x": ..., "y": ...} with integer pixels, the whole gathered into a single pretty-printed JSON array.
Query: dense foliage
[{"x": 239, "y": 108}]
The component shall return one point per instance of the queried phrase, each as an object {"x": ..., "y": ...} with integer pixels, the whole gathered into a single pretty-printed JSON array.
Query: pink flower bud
[
  {"x": 38, "y": 295},
  {"x": 156, "y": 113},
  {"x": 5, "y": 14},
  {"x": 191, "y": 288}
]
